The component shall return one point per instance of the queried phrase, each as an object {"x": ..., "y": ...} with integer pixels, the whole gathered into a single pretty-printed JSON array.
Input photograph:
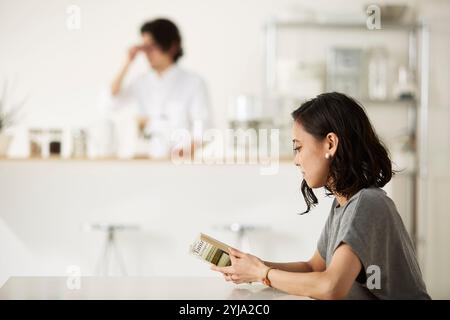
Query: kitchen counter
[{"x": 152, "y": 288}]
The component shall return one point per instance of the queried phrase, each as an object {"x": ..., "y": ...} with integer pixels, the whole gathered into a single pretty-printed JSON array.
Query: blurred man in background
[{"x": 168, "y": 97}]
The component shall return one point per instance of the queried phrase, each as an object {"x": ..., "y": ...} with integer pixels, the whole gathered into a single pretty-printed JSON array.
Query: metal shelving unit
[{"x": 417, "y": 108}]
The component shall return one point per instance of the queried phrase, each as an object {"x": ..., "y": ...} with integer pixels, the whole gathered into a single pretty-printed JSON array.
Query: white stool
[{"x": 110, "y": 247}]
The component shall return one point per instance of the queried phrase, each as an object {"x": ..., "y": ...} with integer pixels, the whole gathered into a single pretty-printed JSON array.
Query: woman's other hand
[{"x": 244, "y": 268}]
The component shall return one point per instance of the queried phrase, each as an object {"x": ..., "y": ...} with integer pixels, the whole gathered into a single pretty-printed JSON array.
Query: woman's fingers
[
  {"x": 235, "y": 277},
  {"x": 238, "y": 281},
  {"x": 231, "y": 277},
  {"x": 233, "y": 259},
  {"x": 223, "y": 269},
  {"x": 236, "y": 252}
]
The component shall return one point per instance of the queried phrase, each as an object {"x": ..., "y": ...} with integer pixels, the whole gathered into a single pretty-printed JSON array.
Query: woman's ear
[{"x": 332, "y": 142}]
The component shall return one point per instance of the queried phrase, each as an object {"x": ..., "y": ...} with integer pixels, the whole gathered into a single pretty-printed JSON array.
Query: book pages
[{"x": 211, "y": 250}]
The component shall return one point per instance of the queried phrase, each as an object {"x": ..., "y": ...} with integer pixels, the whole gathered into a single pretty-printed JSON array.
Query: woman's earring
[{"x": 327, "y": 156}]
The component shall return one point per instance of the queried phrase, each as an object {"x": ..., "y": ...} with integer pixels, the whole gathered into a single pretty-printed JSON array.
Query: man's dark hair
[
  {"x": 360, "y": 161},
  {"x": 166, "y": 36}
]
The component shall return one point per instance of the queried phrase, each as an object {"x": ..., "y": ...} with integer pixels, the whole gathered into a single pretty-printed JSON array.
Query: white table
[{"x": 166, "y": 288}]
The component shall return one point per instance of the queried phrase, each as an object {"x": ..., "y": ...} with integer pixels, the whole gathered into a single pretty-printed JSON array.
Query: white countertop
[{"x": 153, "y": 288}]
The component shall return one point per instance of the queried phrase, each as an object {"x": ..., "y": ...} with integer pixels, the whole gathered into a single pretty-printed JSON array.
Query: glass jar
[
  {"x": 79, "y": 143},
  {"x": 36, "y": 142},
  {"x": 55, "y": 142}
]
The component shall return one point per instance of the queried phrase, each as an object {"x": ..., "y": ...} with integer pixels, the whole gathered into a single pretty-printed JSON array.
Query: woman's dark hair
[
  {"x": 360, "y": 161},
  {"x": 166, "y": 35}
]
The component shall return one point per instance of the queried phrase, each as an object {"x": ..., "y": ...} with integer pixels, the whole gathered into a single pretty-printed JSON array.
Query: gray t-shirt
[{"x": 370, "y": 224}]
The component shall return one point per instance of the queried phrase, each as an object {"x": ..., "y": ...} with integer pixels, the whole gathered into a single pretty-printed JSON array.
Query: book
[{"x": 211, "y": 250}]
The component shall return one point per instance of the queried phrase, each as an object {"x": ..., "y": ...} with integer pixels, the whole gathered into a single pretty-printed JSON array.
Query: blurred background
[{"x": 79, "y": 190}]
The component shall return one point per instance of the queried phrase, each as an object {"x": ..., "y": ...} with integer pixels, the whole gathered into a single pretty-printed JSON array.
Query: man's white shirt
[{"x": 176, "y": 99}]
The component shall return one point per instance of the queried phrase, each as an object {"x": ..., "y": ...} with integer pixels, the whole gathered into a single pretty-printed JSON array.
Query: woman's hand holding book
[{"x": 244, "y": 267}]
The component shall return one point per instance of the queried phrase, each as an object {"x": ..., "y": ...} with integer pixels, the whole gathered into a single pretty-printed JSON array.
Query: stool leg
[
  {"x": 101, "y": 268},
  {"x": 110, "y": 248},
  {"x": 119, "y": 258},
  {"x": 107, "y": 257}
]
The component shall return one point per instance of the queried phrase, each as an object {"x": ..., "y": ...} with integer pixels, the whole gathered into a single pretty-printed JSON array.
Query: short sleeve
[
  {"x": 371, "y": 226},
  {"x": 363, "y": 230}
]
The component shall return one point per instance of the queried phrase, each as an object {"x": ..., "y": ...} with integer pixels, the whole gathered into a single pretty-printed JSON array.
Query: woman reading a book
[{"x": 364, "y": 250}]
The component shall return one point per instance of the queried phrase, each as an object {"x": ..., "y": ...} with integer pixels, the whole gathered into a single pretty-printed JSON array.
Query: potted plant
[{"x": 8, "y": 116}]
